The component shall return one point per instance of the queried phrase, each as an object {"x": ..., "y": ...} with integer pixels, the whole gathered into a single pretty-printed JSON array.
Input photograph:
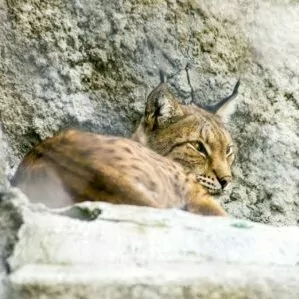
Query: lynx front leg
[{"x": 202, "y": 202}]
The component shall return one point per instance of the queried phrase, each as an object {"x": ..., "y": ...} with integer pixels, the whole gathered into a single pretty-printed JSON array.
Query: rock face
[
  {"x": 98, "y": 250},
  {"x": 90, "y": 64}
]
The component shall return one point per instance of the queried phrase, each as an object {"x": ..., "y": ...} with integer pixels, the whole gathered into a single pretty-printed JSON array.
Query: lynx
[{"x": 178, "y": 156}]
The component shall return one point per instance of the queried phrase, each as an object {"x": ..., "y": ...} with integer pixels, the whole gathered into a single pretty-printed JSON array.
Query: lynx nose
[{"x": 225, "y": 182}]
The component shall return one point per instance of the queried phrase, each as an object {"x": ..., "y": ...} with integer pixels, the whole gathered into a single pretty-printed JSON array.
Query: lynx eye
[
  {"x": 201, "y": 148},
  {"x": 229, "y": 150}
]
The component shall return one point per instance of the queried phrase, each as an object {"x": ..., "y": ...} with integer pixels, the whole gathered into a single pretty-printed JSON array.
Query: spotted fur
[{"x": 161, "y": 166}]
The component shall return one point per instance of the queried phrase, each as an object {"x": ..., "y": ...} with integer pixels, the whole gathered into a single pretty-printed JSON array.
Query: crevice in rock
[
  {"x": 189, "y": 83},
  {"x": 82, "y": 213}
]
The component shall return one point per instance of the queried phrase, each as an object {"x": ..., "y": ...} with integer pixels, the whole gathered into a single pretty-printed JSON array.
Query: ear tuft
[{"x": 224, "y": 108}]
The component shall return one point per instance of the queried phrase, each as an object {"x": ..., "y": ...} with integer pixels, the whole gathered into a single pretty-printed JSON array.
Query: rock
[
  {"x": 3, "y": 162},
  {"x": 176, "y": 281},
  {"x": 10, "y": 223},
  {"x": 99, "y": 250},
  {"x": 90, "y": 65}
]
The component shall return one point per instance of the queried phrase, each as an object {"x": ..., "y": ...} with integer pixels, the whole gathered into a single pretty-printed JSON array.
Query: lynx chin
[{"x": 177, "y": 158}]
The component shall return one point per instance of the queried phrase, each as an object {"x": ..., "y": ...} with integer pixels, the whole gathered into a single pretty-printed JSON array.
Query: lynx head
[{"x": 193, "y": 136}]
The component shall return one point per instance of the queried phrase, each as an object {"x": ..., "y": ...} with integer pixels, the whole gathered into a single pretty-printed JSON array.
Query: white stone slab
[
  {"x": 98, "y": 250},
  {"x": 160, "y": 281},
  {"x": 134, "y": 235}
]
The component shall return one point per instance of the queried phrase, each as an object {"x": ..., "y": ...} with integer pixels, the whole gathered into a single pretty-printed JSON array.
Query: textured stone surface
[
  {"x": 10, "y": 222},
  {"x": 147, "y": 236},
  {"x": 187, "y": 281},
  {"x": 90, "y": 64},
  {"x": 97, "y": 250}
]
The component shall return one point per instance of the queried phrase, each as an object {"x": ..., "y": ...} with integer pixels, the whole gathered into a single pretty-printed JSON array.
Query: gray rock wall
[{"x": 90, "y": 64}]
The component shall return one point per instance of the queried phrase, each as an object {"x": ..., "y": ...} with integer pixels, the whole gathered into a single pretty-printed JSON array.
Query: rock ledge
[{"x": 98, "y": 250}]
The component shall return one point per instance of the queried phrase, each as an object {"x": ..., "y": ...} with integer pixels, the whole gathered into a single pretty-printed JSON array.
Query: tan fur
[
  {"x": 162, "y": 170},
  {"x": 176, "y": 135}
]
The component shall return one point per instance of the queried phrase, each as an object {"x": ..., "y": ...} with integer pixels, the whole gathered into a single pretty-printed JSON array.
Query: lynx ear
[
  {"x": 221, "y": 108},
  {"x": 161, "y": 108}
]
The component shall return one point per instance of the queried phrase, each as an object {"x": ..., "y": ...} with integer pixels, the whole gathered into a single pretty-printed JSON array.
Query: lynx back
[{"x": 182, "y": 153}]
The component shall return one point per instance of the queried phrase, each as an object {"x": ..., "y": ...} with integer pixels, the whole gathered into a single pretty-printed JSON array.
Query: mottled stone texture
[
  {"x": 99, "y": 250},
  {"x": 90, "y": 64}
]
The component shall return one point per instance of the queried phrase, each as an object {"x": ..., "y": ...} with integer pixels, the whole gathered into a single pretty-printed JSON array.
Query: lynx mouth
[
  {"x": 213, "y": 191},
  {"x": 211, "y": 186}
]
